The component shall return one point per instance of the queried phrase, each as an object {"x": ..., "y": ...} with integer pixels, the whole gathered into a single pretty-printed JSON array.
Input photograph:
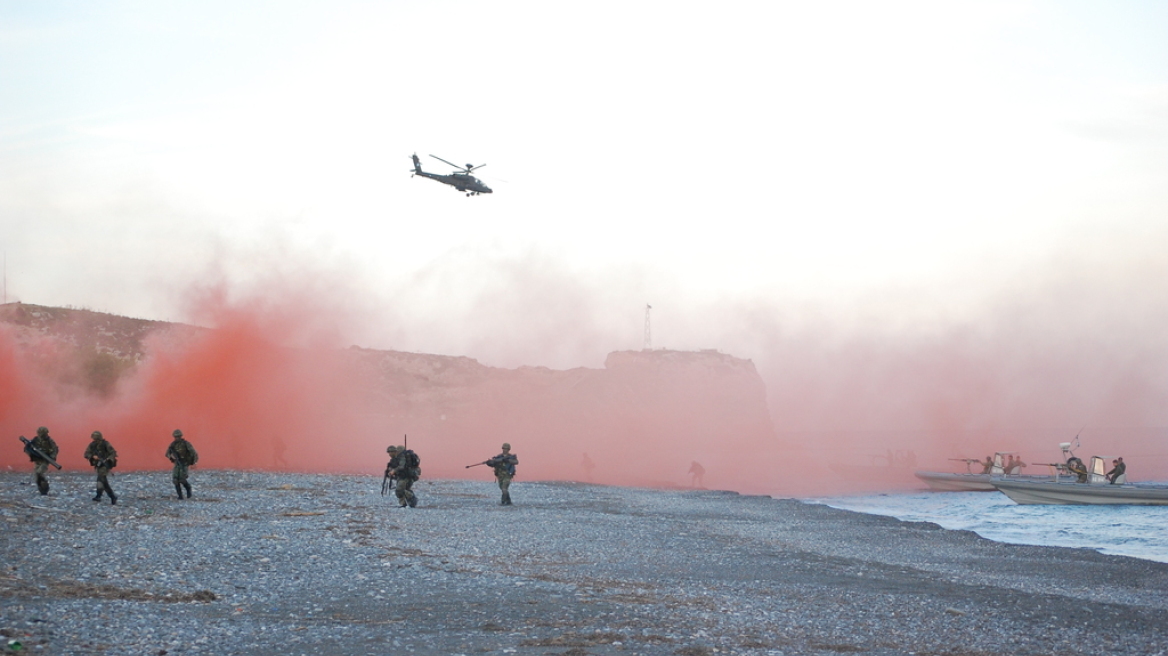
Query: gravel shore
[{"x": 274, "y": 564}]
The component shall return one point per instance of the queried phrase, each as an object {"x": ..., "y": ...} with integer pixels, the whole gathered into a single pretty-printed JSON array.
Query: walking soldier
[
  {"x": 184, "y": 456},
  {"x": 504, "y": 466},
  {"x": 42, "y": 451},
  {"x": 102, "y": 456}
]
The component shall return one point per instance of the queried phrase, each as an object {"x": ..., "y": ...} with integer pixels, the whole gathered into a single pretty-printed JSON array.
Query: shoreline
[{"x": 265, "y": 563}]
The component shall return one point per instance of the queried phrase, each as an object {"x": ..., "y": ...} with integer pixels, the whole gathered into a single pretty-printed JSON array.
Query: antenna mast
[{"x": 648, "y": 334}]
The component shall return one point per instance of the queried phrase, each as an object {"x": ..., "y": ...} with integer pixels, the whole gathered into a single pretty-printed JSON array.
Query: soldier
[
  {"x": 183, "y": 455},
  {"x": 696, "y": 472},
  {"x": 405, "y": 467},
  {"x": 1118, "y": 471},
  {"x": 102, "y": 456},
  {"x": 504, "y": 465},
  {"x": 47, "y": 446}
]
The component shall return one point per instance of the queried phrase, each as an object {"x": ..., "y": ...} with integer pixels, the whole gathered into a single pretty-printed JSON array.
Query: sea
[{"x": 1136, "y": 531}]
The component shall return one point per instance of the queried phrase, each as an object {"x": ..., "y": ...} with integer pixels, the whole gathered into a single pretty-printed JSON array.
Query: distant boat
[
  {"x": 1086, "y": 488},
  {"x": 971, "y": 482},
  {"x": 882, "y": 471}
]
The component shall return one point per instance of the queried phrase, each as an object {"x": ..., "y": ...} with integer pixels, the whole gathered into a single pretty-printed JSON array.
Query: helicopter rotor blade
[
  {"x": 450, "y": 163},
  {"x": 469, "y": 168}
]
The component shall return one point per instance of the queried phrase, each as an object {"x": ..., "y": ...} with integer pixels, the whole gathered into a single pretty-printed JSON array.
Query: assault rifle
[
  {"x": 32, "y": 450},
  {"x": 969, "y": 462},
  {"x": 495, "y": 462}
]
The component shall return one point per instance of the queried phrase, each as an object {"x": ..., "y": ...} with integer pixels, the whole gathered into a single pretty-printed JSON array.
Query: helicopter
[{"x": 461, "y": 180}]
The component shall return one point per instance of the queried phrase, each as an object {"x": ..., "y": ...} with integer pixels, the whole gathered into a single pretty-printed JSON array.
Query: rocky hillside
[{"x": 98, "y": 332}]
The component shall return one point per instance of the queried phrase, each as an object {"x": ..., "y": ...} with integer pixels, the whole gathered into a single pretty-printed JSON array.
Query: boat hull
[
  {"x": 957, "y": 482},
  {"x": 946, "y": 482},
  {"x": 1070, "y": 493}
]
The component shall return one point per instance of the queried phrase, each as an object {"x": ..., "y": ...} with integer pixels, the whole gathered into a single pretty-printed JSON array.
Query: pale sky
[{"x": 910, "y": 159}]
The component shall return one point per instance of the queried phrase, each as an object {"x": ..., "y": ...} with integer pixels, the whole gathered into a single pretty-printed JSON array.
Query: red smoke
[
  {"x": 257, "y": 392},
  {"x": 235, "y": 391},
  {"x": 270, "y": 386}
]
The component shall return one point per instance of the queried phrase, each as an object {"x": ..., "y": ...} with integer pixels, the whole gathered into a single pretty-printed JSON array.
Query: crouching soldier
[
  {"x": 102, "y": 456},
  {"x": 405, "y": 467},
  {"x": 183, "y": 455}
]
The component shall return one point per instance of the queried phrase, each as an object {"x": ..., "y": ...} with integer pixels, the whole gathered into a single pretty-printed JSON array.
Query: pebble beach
[{"x": 285, "y": 564}]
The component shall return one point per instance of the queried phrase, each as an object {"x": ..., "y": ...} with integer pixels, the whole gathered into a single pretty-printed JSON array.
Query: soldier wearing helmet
[
  {"x": 47, "y": 446},
  {"x": 504, "y": 466},
  {"x": 102, "y": 456},
  {"x": 405, "y": 468},
  {"x": 184, "y": 456}
]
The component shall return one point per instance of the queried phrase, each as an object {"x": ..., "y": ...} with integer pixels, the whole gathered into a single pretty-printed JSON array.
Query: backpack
[
  {"x": 185, "y": 453},
  {"x": 411, "y": 461}
]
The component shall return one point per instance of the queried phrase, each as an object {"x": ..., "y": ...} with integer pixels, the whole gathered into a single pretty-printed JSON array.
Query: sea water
[{"x": 1136, "y": 531}]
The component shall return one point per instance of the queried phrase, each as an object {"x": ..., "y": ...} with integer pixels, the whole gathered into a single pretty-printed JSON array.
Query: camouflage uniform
[
  {"x": 401, "y": 466},
  {"x": 48, "y": 447},
  {"x": 183, "y": 455},
  {"x": 504, "y": 465},
  {"x": 102, "y": 456}
]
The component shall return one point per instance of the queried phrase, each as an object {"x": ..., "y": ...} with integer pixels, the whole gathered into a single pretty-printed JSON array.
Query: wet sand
[{"x": 272, "y": 564}]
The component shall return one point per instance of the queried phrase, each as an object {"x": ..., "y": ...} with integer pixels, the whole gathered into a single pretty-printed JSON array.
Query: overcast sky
[{"x": 912, "y": 159}]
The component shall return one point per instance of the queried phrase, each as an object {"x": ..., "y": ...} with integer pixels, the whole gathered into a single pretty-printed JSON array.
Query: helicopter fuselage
[
  {"x": 464, "y": 182},
  {"x": 459, "y": 181}
]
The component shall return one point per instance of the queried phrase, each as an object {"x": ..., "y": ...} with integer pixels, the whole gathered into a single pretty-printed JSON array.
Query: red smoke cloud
[
  {"x": 239, "y": 394},
  {"x": 269, "y": 386},
  {"x": 256, "y": 392}
]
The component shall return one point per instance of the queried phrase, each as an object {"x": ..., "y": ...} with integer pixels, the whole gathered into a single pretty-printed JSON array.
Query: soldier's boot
[
  {"x": 110, "y": 491},
  {"x": 188, "y": 487},
  {"x": 42, "y": 485},
  {"x": 506, "y": 498},
  {"x": 97, "y": 497},
  {"x": 178, "y": 488},
  {"x": 413, "y": 500}
]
